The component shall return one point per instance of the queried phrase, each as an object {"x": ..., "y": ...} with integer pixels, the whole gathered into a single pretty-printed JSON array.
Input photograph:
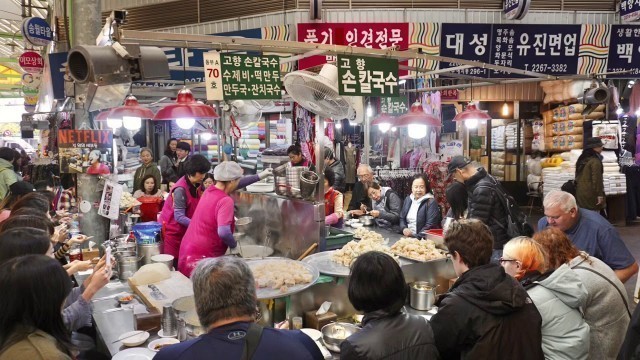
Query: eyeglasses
[{"x": 503, "y": 260}]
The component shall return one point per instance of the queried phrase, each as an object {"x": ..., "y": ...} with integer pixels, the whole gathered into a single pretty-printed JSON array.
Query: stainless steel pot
[
  {"x": 165, "y": 259},
  {"x": 422, "y": 295},
  {"x": 147, "y": 251},
  {"x": 127, "y": 266},
  {"x": 367, "y": 220}
]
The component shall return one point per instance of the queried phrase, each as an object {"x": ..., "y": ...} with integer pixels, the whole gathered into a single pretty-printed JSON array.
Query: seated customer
[
  {"x": 486, "y": 314},
  {"x": 32, "y": 291},
  {"x": 420, "y": 211},
  {"x": 16, "y": 191},
  {"x": 333, "y": 201},
  {"x": 589, "y": 232},
  {"x": 229, "y": 318},
  {"x": 386, "y": 206},
  {"x": 558, "y": 295},
  {"x": 377, "y": 287},
  {"x": 606, "y": 310}
]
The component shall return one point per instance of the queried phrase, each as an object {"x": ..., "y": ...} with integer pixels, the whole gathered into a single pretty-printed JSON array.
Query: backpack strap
[
  {"x": 251, "y": 341},
  {"x": 624, "y": 298}
]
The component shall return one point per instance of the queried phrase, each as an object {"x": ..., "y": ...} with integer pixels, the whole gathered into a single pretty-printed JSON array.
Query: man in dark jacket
[
  {"x": 183, "y": 149},
  {"x": 359, "y": 195},
  {"x": 486, "y": 314},
  {"x": 338, "y": 169},
  {"x": 485, "y": 203}
]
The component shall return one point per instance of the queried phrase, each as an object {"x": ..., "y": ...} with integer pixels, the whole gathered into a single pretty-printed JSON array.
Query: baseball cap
[
  {"x": 458, "y": 162},
  {"x": 227, "y": 171}
]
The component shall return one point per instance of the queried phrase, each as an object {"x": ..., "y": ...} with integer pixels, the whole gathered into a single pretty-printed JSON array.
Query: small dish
[
  {"x": 314, "y": 334},
  {"x": 162, "y": 335},
  {"x": 130, "y": 338},
  {"x": 158, "y": 344},
  {"x": 134, "y": 353},
  {"x": 125, "y": 299},
  {"x": 357, "y": 225}
]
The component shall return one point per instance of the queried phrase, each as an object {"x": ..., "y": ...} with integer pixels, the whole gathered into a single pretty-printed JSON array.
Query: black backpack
[
  {"x": 517, "y": 224},
  {"x": 570, "y": 187}
]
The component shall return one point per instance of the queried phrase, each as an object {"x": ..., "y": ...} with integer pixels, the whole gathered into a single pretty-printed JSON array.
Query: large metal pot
[
  {"x": 127, "y": 266},
  {"x": 422, "y": 295},
  {"x": 147, "y": 251},
  {"x": 335, "y": 333},
  {"x": 367, "y": 220}
]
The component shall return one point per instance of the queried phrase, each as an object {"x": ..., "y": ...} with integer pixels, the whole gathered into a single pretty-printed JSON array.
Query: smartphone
[{"x": 108, "y": 257}]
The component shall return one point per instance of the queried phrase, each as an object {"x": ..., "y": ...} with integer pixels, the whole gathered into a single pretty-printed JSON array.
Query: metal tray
[
  {"x": 322, "y": 261},
  {"x": 268, "y": 293},
  {"x": 412, "y": 260}
]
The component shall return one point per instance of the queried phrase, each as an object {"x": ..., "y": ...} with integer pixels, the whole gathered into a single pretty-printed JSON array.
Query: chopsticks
[{"x": 136, "y": 334}]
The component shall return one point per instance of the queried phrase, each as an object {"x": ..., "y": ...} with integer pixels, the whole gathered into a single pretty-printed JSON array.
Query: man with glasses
[
  {"x": 485, "y": 203},
  {"x": 360, "y": 202},
  {"x": 486, "y": 314},
  {"x": 589, "y": 232}
]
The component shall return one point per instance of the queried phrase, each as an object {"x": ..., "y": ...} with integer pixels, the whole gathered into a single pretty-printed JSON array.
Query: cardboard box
[{"x": 90, "y": 254}]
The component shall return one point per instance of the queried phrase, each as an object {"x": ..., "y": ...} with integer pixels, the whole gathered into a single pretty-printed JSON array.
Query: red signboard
[
  {"x": 369, "y": 35},
  {"x": 31, "y": 62},
  {"x": 449, "y": 94}
]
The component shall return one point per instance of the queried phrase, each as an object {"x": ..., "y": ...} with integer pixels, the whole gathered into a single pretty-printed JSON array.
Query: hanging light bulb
[
  {"x": 339, "y": 125},
  {"x": 471, "y": 123},
  {"x": 384, "y": 127},
  {"x": 505, "y": 109},
  {"x": 417, "y": 131},
  {"x": 114, "y": 123},
  {"x": 394, "y": 129},
  {"x": 619, "y": 110},
  {"x": 353, "y": 123},
  {"x": 185, "y": 123},
  {"x": 131, "y": 122},
  {"x": 206, "y": 136}
]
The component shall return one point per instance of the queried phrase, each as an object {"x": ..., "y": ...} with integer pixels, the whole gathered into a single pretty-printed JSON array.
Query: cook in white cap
[{"x": 210, "y": 232}]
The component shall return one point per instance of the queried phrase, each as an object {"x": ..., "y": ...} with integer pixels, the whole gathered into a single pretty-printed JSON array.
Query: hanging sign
[
  {"x": 37, "y": 31},
  {"x": 86, "y": 151},
  {"x": 31, "y": 62},
  {"x": 31, "y": 83},
  {"x": 250, "y": 77},
  {"x": 630, "y": 10},
  {"x": 368, "y": 35},
  {"x": 58, "y": 63},
  {"x": 466, "y": 41},
  {"x": 449, "y": 94},
  {"x": 516, "y": 9},
  {"x": 213, "y": 75},
  {"x": 367, "y": 76},
  {"x": 624, "y": 50},
  {"x": 110, "y": 202},
  {"x": 394, "y": 106}
]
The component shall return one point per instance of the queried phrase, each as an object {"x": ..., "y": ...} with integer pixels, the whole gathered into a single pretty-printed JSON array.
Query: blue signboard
[
  {"x": 624, "y": 50},
  {"x": 515, "y": 9},
  {"x": 37, "y": 31},
  {"x": 630, "y": 10},
  {"x": 58, "y": 62},
  {"x": 466, "y": 41},
  {"x": 546, "y": 49}
]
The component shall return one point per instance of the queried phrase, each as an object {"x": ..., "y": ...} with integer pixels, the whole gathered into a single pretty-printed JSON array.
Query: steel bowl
[
  {"x": 367, "y": 220},
  {"x": 335, "y": 333}
]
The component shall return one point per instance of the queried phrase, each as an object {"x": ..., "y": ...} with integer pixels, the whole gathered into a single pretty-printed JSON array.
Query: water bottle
[{"x": 74, "y": 229}]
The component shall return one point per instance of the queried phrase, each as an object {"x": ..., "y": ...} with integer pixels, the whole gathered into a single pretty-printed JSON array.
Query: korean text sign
[
  {"x": 367, "y": 76},
  {"x": 249, "y": 77},
  {"x": 86, "y": 151},
  {"x": 624, "y": 50},
  {"x": 397, "y": 105},
  {"x": 630, "y": 10},
  {"x": 37, "y": 31},
  {"x": 368, "y": 35}
]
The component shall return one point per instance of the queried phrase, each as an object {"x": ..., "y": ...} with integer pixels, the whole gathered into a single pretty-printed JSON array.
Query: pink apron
[
  {"x": 201, "y": 239},
  {"x": 173, "y": 231}
]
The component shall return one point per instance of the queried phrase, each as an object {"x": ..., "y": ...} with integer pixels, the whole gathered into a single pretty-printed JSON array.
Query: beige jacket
[{"x": 36, "y": 346}]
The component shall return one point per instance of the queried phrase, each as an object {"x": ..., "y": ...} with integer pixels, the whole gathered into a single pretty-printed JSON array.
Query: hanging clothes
[
  {"x": 439, "y": 179},
  {"x": 350, "y": 164}
]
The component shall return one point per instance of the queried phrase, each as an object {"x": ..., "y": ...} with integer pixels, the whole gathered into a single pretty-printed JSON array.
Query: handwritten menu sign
[
  {"x": 396, "y": 105},
  {"x": 624, "y": 50},
  {"x": 368, "y": 35},
  {"x": 367, "y": 76}
]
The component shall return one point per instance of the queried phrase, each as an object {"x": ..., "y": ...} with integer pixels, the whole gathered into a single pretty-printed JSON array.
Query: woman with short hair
[
  {"x": 558, "y": 296},
  {"x": 377, "y": 287},
  {"x": 387, "y": 206},
  {"x": 33, "y": 289},
  {"x": 606, "y": 310},
  {"x": 420, "y": 211}
]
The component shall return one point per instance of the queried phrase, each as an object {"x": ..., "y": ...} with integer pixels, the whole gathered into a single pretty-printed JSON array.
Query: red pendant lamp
[
  {"x": 130, "y": 114},
  {"x": 384, "y": 122},
  {"x": 416, "y": 120},
  {"x": 186, "y": 110},
  {"x": 472, "y": 115}
]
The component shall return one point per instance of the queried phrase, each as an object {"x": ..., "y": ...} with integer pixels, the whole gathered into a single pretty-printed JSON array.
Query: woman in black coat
[{"x": 377, "y": 287}]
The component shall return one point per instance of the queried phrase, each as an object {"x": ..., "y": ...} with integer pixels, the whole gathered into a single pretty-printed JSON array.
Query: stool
[{"x": 534, "y": 194}]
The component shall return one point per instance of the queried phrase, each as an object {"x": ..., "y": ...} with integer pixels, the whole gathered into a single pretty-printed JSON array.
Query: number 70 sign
[{"x": 213, "y": 76}]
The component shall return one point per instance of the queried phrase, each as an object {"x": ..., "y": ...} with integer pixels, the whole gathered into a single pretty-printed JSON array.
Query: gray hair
[
  {"x": 147, "y": 150},
  {"x": 561, "y": 199},
  {"x": 365, "y": 166},
  {"x": 223, "y": 288}
]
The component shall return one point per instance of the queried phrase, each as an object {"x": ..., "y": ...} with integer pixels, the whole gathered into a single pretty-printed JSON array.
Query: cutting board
[{"x": 175, "y": 287}]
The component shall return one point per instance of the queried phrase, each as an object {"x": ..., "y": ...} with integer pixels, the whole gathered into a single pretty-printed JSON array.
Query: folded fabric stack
[
  {"x": 614, "y": 184},
  {"x": 498, "y": 164},
  {"x": 610, "y": 163},
  {"x": 511, "y": 132},
  {"x": 498, "y": 138},
  {"x": 554, "y": 177}
]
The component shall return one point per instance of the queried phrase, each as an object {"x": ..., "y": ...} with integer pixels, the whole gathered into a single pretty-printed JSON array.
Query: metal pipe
[{"x": 301, "y": 56}]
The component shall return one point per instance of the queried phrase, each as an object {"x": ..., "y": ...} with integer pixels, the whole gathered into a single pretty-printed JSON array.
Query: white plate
[
  {"x": 162, "y": 335},
  {"x": 167, "y": 341},
  {"x": 134, "y": 340},
  {"x": 134, "y": 354},
  {"x": 314, "y": 334}
]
